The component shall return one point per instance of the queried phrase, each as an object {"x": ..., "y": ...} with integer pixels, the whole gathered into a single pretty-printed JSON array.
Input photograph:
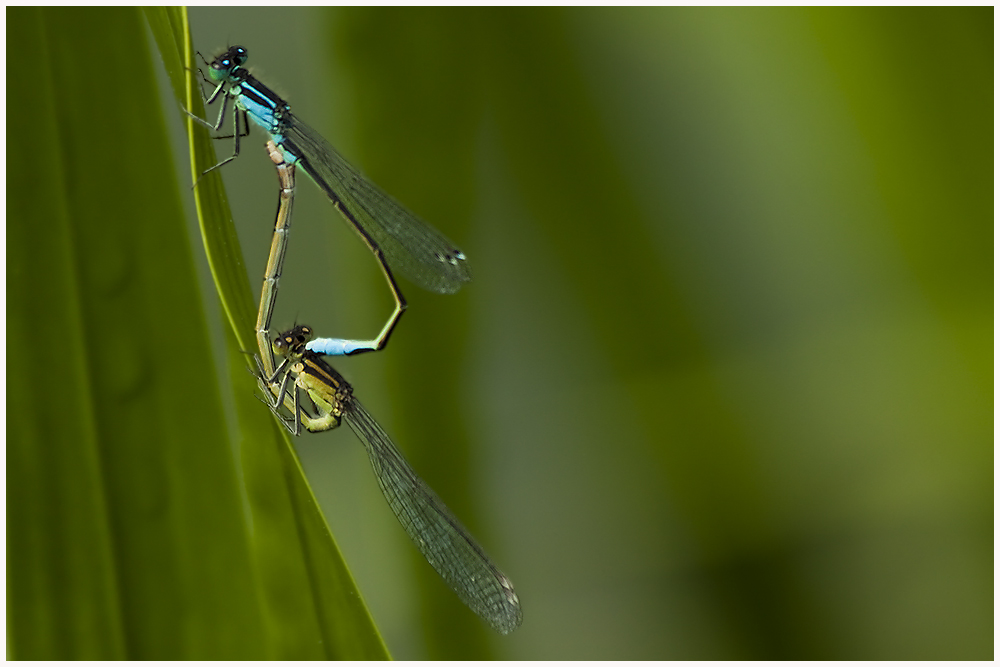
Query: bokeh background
[{"x": 722, "y": 385}]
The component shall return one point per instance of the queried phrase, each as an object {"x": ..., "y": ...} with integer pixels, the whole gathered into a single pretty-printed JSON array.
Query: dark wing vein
[
  {"x": 441, "y": 538},
  {"x": 411, "y": 246}
]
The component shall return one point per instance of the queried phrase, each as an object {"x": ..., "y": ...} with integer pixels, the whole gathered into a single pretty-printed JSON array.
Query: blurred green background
[{"x": 722, "y": 385}]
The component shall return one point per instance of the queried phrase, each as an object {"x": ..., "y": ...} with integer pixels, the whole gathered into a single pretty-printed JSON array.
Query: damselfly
[
  {"x": 439, "y": 536},
  {"x": 395, "y": 236},
  {"x": 272, "y": 275}
]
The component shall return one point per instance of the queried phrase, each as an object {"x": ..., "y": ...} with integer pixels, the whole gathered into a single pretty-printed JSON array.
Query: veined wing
[
  {"x": 443, "y": 541},
  {"x": 411, "y": 246}
]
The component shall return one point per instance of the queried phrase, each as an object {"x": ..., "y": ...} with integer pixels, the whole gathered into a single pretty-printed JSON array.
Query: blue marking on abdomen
[{"x": 336, "y": 347}]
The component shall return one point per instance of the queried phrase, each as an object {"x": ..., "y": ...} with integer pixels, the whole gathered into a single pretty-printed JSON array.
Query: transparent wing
[
  {"x": 411, "y": 246},
  {"x": 443, "y": 541}
]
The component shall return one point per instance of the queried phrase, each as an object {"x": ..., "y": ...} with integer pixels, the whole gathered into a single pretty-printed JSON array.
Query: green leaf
[{"x": 127, "y": 533}]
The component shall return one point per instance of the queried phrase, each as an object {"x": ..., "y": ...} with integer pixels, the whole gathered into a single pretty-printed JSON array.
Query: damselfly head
[
  {"x": 292, "y": 341},
  {"x": 224, "y": 65}
]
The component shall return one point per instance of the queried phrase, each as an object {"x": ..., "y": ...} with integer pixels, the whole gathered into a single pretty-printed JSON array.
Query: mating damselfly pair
[{"x": 398, "y": 240}]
